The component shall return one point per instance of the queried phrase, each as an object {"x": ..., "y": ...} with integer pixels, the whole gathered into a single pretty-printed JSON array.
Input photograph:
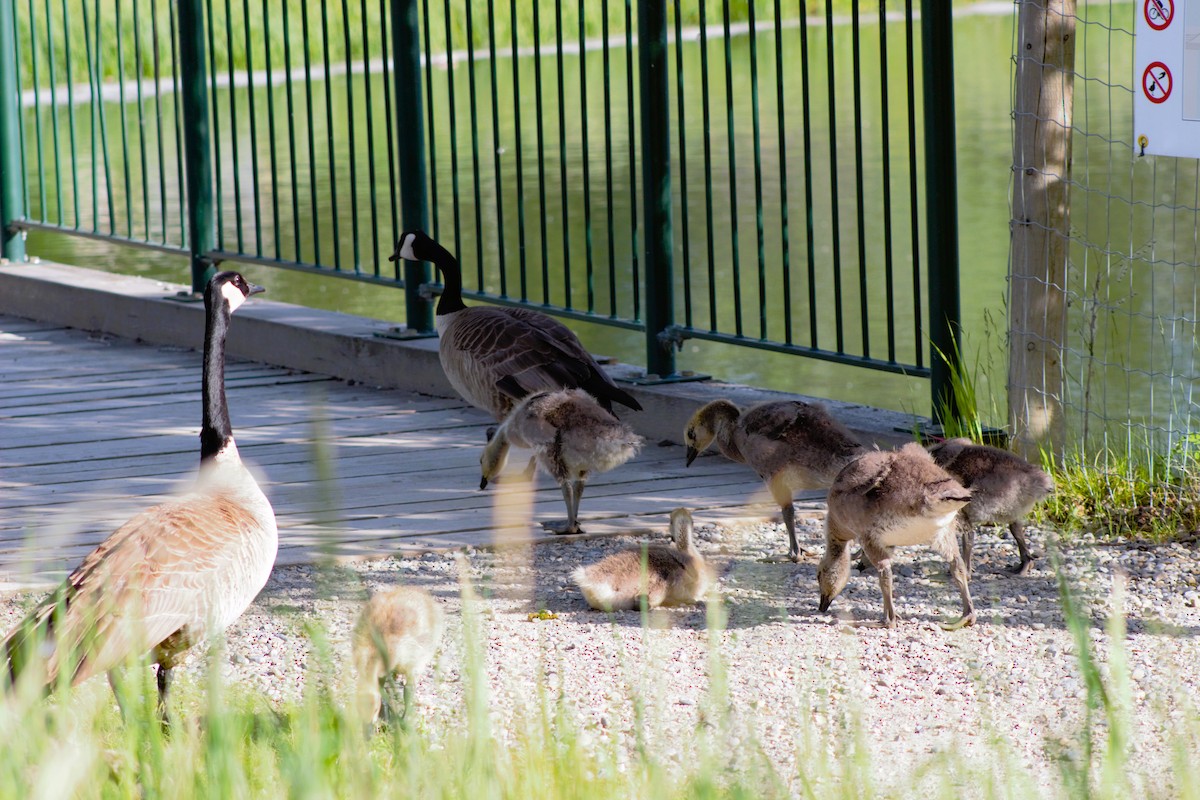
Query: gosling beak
[
  {"x": 256, "y": 289},
  {"x": 824, "y": 604},
  {"x": 483, "y": 482},
  {"x": 691, "y": 455}
]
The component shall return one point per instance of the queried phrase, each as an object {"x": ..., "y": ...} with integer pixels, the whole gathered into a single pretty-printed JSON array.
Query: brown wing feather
[{"x": 141, "y": 585}]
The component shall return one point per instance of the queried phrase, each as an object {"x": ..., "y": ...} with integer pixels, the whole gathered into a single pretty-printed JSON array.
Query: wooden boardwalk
[{"x": 94, "y": 429}]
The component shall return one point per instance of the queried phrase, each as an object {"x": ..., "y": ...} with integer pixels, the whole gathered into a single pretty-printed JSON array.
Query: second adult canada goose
[
  {"x": 493, "y": 357},
  {"x": 571, "y": 437},
  {"x": 887, "y": 499},
  {"x": 397, "y": 634},
  {"x": 177, "y": 573},
  {"x": 665, "y": 576},
  {"x": 1004, "y": 488},
  {"x": 790, "y": 444}
]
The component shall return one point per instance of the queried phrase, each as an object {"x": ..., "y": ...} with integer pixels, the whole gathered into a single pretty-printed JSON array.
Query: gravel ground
[{"x": 793, "y": 673}]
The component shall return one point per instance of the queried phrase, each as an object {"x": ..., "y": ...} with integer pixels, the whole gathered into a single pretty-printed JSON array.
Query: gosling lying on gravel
[
  {"x": 571, "y": 437},
  {"x": 1004, "y": 488},
  {"x": 890, "y": 498},
  {"x": 790, "y": 444},
  {"x": 397, "y": 632},
  {"x": 665, "y": 576}
]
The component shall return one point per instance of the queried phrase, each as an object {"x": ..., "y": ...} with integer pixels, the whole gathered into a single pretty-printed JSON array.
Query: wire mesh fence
[{"x": 1117, "y": 286}]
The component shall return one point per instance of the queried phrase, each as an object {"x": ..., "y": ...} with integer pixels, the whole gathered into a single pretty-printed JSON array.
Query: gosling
[
  {"x": 791, "y": 445},
  {"x": 664, "y": 575},
  {"x": 571, "y": 437},
  {"x": 397, "y": 633},
  {"x": 1004, "y": 489},
  {"x": 890, "y": 498}
]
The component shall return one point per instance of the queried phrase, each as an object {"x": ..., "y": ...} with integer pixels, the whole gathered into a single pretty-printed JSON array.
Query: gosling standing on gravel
[
  {"x": 571, "y": 437},
  {"x": 664, "y": 575},
  {"x": 1004, "y": 488},
  {"x": 890, "y": 498},
  {"x": 397, "y": 633},
  {"x": 790, "y": 444}
]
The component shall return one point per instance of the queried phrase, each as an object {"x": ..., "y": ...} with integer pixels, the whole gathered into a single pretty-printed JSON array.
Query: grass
[{"x": 230, "y": 741}]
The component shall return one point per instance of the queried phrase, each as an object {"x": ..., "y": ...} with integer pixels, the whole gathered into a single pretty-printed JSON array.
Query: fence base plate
[
  {"x": 185, "y": 297},
  {"x": 650, "y": 379},
  {"x": 404, "y": 334}
]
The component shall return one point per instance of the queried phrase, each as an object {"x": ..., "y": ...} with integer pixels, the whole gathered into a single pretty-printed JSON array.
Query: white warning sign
[{"x": 1166, "y": 80}]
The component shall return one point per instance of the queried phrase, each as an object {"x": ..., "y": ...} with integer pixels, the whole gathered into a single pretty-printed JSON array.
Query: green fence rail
[{"x": 689, "y": 169}]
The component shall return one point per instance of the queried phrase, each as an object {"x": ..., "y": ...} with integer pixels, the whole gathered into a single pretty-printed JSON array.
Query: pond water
[{"x": 982, "y": 74}]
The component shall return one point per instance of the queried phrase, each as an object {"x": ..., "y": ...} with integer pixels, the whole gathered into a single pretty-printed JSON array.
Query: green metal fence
[{"x": 750, "y": 175}]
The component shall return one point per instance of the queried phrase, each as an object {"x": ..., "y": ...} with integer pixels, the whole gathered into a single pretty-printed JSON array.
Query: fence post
[
  {"x": 197, "y": 152},
  {"x": 1040, "y": 225},
  {"x": 12, "y": 178},
  {"x": 656, "y": 185},
  {"x": 941, "y": 203},
  {"x": 410, "y": 139}
]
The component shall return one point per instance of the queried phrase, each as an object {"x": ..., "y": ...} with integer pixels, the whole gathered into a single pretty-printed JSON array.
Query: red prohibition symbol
[
  {"x": 1156, "y": 82},
  {"x": 1159, "y": 13}
]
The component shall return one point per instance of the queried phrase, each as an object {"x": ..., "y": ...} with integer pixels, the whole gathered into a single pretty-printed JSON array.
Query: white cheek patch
[
  {"x": 233, "y": 296},
  {"x": 406, "y": 248}
]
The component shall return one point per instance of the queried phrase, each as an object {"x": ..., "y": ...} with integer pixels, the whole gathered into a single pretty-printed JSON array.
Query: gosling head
[
  {"x": 705, "y": 424},
  {"x": 946, "y": 451},
  {"x": 493, "y": 458},
  {"x": 681, "y": 528},
  {"x": 229, "y": 289},
  {"x": 832, "y": 573}
]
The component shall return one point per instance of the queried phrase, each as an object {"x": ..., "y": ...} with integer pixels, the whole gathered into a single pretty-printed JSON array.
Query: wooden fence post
[{"x": 1042, "y": 130}]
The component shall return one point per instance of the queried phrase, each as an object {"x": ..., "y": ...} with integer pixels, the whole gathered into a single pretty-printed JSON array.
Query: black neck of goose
[
  {"x": 451, "y": 299},
  {"x": 216, "y": 431}
]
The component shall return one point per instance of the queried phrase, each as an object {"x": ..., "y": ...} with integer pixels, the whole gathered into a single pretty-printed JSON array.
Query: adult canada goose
[
  {"x": 397, "y": 633},
  {"x": 1004, "y": 488},
  {"x": 890, "y": 498},
  {"x": 571, "y": 437},
  {"x": 493, "y": 357},
  {"x": 176, "y": 573},
  {"x": 790, "y": 444},
  {"x": 665, "y": 576}
]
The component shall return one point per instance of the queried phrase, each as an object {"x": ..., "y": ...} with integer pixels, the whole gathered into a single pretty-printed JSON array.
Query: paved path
[{"x": 94, "y": 429}]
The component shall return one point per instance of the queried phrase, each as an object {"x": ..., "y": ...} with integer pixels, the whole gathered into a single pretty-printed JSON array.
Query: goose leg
[
  {"x": 164, "y": 686},
  {"x": 881, "y": 559},
  {"x": 1017, "y": 529},
  {"x": 783, "y": 495},
  {"x": 959, "y": 574},
  {"x": 571, "y": 490},
  {"x": 966, "y": 540}
]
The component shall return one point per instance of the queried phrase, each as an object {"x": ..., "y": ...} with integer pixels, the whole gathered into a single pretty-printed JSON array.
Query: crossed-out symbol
[
  {"x": 1156, "y": 82},
  {"x": 1159, "y": 13}
]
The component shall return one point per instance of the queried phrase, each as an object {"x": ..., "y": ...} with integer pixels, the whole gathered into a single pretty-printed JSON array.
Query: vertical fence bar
[
  {"x": 941, "y": 200},
  {"x": 656, "y": 183},
  {"x": 410, "y": 133},
  {"x": 12, "y": 178},
  {"x": 197, "y": 153}
]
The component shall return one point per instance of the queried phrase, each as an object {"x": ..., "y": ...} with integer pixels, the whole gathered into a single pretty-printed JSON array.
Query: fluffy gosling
[
  {"x": 397, "y": 633},
  {"x": 665, "y": 575},
  {"x": 791, "y": 445},
  {"x": 890, "y": 498},
  {"x": 1004, "y": 489}
]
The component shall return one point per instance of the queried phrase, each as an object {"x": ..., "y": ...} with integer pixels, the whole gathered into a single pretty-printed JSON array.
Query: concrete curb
[{"x": 348, "y": 347}]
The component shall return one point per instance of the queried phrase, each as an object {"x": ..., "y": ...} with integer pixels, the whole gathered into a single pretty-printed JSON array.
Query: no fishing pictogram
[{"x": 1156, "y": 82}]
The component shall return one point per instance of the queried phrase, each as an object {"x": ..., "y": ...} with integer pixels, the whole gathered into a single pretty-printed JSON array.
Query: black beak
[
  {"x": 825, "y": 603},
  {"x": 483, "y": 482},
  {"x": 691, "y": 454},
  {"x": 395, "y": 256},
  {"x": 256, "y": 289}
]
